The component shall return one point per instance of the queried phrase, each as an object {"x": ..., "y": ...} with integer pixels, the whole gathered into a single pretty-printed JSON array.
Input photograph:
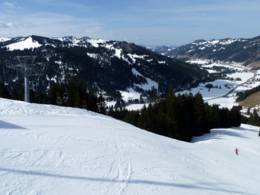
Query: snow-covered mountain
[
  {"x": 244, "y": 51},
  {"x": 26, "y": 43},
  {"x": 3, "y": 39},
  {"x": 111, "y": 66},
  {"x": 79, "y": 152}
]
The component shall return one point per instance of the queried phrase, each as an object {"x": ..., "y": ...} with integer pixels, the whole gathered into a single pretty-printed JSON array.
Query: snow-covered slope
[
  {"x": 4, "y": 39},
  {"x": 232, "y": 78},
  {"x": 26, "y": 43},
  {"x": 54, "y": 150}
]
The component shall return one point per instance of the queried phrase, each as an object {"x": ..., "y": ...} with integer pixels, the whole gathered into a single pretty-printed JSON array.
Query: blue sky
[{"x": 147, "y": 22}]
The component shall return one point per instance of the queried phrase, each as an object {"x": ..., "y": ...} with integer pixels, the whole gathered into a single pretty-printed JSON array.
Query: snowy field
[
  {"x": 49, "y": 150},
  {"x": 224, "y": 91}
]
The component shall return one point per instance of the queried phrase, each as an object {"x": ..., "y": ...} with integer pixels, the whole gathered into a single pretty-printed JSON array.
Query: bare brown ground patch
[{"x": 251, "y": 101}]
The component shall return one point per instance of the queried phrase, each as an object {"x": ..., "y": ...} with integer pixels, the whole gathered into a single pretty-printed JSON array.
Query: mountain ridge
[
  {"x": 109, "y": 66},
  {"x": 245, "y": 51}
]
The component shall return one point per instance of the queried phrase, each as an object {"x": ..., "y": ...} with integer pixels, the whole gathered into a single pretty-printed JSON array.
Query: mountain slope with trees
[
  {"x": 105, "y": 66},
  {"x": 242, "y": 50}
]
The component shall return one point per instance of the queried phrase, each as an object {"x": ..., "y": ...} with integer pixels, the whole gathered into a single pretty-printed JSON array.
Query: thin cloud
[
  {"x": 17, "y": 20},
  {"x": 50, "y": 24},
  {"x": 9, "y": 4},
  {"x": 6, "y": 25}
]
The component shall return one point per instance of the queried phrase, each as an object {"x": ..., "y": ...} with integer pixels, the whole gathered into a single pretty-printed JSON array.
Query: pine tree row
[
  {"x": 74, "y": 93},
  {"x": 181, "y": 117}
]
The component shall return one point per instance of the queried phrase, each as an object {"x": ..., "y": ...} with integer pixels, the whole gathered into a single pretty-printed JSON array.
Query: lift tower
[{"x": 28, "y": 68}]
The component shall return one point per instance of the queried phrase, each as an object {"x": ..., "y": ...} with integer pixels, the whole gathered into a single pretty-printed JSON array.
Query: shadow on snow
[
  {"x": 6, "y": 125},
  {"x": 204, "y": 186},
  {"x": 218, "y": 134}
]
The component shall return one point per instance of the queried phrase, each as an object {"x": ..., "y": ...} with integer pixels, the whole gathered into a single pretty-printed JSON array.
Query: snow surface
[
  {"x": 135, "y": 107},
  {"x": 54, "y": 150},
  {"x": 110, "y": 103},
  {"x": 27, "y": 43},
  {"x": 222, "y": 42},
  {"x": 199, "y": 61},
  {"x": 244, "y": 76},
  {"x": 161, "y": 62},
  {"x": 207, "y": 63},
  {"x": 133, "y": 57},
  {"x": 213, "y": 43},
  {"x": 136, "y": 73},
  {"x": 93, "y": 55},
  {"x": 4, "y": 39},
  {"x": 130, "y": 94},
  {"x": 224, "y": 91},
  {"x": 96, "y": 42},
  {"x": 148, "y": 85},
  {"x": 118, "y": 52},
  {"x": 224, "y": 102},
  {"x": 220, "y": 88}
]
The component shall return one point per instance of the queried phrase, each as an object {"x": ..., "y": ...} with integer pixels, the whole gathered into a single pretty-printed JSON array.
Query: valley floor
[
  {"x": 235, "y": 78},
  {"x": 224, "y": 90},
  {"x": 54, "y": 150}
]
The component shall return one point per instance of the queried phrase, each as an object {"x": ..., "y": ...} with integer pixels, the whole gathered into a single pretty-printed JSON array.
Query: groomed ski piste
[{"x": 54, "y": 150}]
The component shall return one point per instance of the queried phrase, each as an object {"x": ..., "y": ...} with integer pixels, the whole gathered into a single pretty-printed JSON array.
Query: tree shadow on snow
[
  {"x": 247, "y": 129},
  {"x": 205, "y": 186},
  {"x": 218, "y": 134},
  {"x": 6, "y": 125}
]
